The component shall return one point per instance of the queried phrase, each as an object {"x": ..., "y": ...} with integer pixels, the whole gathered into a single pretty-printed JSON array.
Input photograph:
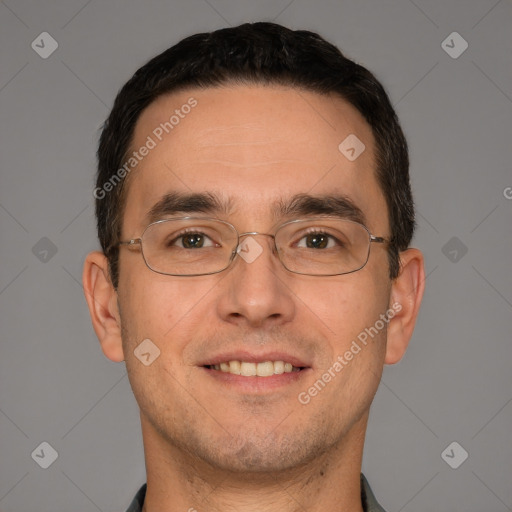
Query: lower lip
[{"x": 256, "y": 384}]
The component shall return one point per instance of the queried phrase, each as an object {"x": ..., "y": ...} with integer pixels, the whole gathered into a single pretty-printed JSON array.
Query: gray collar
[{"x": 370, "y": 504}]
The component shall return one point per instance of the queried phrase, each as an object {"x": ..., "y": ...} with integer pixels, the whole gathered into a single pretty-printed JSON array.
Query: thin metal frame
[{"x": 138, "y": 241}]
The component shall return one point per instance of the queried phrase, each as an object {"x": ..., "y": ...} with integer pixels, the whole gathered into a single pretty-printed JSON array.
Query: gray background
[{"x": 454, "y": 384}]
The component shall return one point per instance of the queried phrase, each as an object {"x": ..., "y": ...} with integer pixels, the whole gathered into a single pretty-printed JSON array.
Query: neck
[{"x": 179, "y": 481}]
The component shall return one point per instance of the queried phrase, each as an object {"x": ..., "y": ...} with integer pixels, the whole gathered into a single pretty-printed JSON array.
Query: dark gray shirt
[{"x": 367, "y": 498}]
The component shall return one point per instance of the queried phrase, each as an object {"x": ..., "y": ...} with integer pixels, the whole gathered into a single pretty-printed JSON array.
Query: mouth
[
  {"x": 255, "y": 373},
  {"x": 255, "y": 369}
]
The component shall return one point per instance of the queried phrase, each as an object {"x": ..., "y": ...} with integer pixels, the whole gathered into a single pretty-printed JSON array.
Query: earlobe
[
  {"x": 101, "y": 299},
  {"x": 407, "y": 292}
]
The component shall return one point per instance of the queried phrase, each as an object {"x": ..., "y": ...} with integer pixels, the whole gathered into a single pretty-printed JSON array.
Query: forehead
[{"x": 253, "y": 146}]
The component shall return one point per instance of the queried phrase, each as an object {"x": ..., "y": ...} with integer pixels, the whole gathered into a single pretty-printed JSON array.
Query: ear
[
  {"x": 406, "y": 294},
  {"x": 102, "y": 301}
]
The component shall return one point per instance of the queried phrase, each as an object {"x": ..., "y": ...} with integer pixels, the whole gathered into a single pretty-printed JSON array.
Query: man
[{"x": 255, "y": 214}]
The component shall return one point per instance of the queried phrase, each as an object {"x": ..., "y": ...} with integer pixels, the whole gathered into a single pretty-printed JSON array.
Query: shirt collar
[
  {"x": 138, "y": 501},
  {"x": 370, "y": 504}
]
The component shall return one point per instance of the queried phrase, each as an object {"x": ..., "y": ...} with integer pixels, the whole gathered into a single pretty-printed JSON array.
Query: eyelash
[
  {"x": 315, "y": 231},
  {"x": 189, "y": 231}
]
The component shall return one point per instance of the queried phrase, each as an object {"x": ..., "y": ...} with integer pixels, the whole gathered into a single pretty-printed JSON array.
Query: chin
[{"x": 260, "y": 454}]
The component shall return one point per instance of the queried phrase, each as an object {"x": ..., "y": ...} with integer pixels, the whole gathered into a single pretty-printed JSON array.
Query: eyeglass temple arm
[
  {"x": 132, "y": 242},
  {"x": 129, "y": 243}
]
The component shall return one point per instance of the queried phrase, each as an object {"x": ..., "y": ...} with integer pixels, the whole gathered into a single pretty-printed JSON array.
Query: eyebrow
[
  {"x": 299, "y": 205},
  {"x": 184, "y": 203},
  {"x": 332, "y": 205}
]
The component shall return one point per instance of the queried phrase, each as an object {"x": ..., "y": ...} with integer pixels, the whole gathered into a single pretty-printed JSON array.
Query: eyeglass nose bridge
[
  {"x": 253, "y": 233},
  {"x": 256, "y": 233}
]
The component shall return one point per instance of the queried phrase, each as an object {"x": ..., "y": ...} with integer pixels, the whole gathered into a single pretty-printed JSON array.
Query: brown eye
[
  {"x": 193, "y": 240},
  {"x": 317, "y": 241}
]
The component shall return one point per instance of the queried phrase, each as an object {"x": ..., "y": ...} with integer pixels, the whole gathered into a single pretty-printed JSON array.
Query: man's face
[{"x": 253, "y": 146}]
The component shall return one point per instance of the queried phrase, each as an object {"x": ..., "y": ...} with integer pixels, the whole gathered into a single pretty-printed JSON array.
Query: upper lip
[{"x": 252, "y": 357}]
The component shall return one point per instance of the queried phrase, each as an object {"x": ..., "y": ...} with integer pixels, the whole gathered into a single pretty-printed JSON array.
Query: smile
[{"x": 249, "y": 369}]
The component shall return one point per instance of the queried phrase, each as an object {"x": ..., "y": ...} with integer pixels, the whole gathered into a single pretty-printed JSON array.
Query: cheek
[
  {"x": 162, "y": 309},
  {"x": 160, "y": 312},
  {"x": 349, "y": 306}
]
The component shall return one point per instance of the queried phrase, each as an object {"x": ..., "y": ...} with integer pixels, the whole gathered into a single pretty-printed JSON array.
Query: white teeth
[
  {"x": 278, "y": 367},
  {"x": 264, "y": 369},
  {"x": 233, "y": 367},
  {"x": 247, "y": 369}
]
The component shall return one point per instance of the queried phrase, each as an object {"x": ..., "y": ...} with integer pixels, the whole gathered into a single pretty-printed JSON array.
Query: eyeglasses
[{"x": 197, "y": 246}]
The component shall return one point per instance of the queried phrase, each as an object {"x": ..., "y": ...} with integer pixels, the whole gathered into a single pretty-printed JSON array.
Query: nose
[{"x": 255, "y": 291}]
